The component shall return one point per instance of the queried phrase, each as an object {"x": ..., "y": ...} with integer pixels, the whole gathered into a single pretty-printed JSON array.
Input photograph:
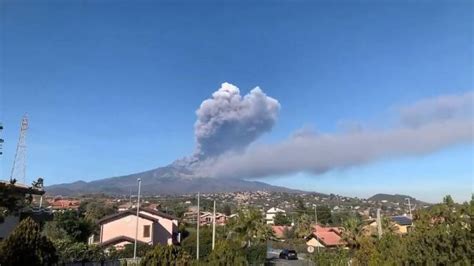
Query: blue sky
[{"x": 111, "y": 88}]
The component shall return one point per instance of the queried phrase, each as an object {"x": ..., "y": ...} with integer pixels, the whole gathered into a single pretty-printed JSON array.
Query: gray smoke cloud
[
  {"x": 426, "y": 126},
  {"x": 437, "y": 109},
  {"x": 229, "y": 122}
]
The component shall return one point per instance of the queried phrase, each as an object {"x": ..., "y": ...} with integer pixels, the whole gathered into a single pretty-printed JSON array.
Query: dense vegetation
[
  {"x": 441, "y": 234},
  {"x": 26, "y": 246}
]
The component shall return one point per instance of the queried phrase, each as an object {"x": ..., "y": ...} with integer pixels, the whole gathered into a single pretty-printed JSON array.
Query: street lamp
[{"x": 138, "y": 212}]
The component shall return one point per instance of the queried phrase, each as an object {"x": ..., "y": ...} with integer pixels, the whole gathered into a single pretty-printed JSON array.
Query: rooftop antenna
[{"x": 19, "y": 164}]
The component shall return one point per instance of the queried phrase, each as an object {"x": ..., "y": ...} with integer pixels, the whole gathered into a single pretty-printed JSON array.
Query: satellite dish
[{"x": 310, "y": 249}]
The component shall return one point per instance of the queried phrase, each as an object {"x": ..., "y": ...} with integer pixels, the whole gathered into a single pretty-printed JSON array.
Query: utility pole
[
  {"x": 409, "y": 207},
  {"x": 315, "y": 213},
  {"x": 316, "y": 221},
  {"x": 379, "y": 223},
  {"x": 198, "y": 221},
  {"x": 214, "y": 227},
  {"x": 138, "y": 212}
]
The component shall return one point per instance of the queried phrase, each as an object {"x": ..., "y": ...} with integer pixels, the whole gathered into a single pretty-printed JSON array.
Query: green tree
[
  {"x": 205, "y": 243},
  {"x": 338, "y": 257},
  {"x": 26, "y": 246},
  {"x": 53, "y": 231},
  {"x": 324, "y": 214},
  {"x": 442, "y": 235},
  {"x": 250, "y": 227},
  {"x": 281, "y": 219},
  {"x": 70, "y": 251},
  {"x": 76, "y": 226},
  {"x": 391, "y": 249},
  {"x": 366, "y": 252},
  {"x": 300, "y": 208},
  {"x": 352, "y": 233},
  {"x": 166, "y": 255},
  {"x": 227, "y": 253},
  {"x": 95, "y": 210},
  {"x": 127, "y": 251},
  {"x": 227, "y": 210},
  {"x": 303, "y": 226},
  {"x": 12, "y": 199},
  {"x": 256, "y": 254}
]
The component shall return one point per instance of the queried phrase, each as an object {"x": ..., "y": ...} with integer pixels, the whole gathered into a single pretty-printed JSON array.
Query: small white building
[{"x": 270, "y": 214}]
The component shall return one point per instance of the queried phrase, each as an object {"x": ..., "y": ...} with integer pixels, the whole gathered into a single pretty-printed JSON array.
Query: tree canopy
[{"x": 26, "y": 246}]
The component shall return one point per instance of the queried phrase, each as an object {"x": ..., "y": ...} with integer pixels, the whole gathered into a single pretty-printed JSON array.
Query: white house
[{"x": 270, "y": 214}]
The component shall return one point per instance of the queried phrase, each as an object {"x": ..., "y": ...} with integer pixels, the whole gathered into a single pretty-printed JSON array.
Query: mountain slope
[
  {"x": 394, "y": 198},
  {"x": 168, "y": 180}
]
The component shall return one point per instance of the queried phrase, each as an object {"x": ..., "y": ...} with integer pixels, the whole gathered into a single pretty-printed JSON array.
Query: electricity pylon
[{"x": 19, "y": 164}]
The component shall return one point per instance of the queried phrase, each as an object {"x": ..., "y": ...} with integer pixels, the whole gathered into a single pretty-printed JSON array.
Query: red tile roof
[
  {"x": 319, "y": 228},
  {"x": 329, "y": 239},
  {"x": 65, "y": 204},
  {"x": 279, "y": 230},
  {"x": 328, "y": 236}
]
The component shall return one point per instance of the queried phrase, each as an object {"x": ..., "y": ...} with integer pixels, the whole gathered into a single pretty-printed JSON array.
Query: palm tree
[
  {"x": 353, "y": 231},
  {"x": 250, "y": 227}
]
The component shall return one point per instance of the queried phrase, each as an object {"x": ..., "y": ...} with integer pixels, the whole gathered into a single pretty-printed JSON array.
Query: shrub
[
  {"x": 26, "y": 246},
  {"x": 227, "y": 253},
  {"x": 256, "y": 254},
  {"x": 166, "y": 255}
]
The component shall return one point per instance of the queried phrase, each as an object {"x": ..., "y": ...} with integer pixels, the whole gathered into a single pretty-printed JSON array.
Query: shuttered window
[{"x": 146, "y": 231}]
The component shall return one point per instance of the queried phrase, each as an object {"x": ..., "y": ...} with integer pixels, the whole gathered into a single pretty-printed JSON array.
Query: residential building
[
  {"x": 270, "y": 214},
  {"x": 280, "y": 230},
  {"x": 325, "y": 237},
  {"x": 60, "y": 204},
  {"x": 401, "y": 223},
  {"x": 205, "y": 217},
  {"x": 16, "y": 190},
  {"x": 154, "y": 227}
]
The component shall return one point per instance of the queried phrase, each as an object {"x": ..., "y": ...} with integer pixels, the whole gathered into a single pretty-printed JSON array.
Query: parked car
[{"x": 288, "y": 254}]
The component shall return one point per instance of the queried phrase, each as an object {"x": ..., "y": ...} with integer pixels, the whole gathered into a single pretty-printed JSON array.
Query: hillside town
[{"x": 312, "y": 224}]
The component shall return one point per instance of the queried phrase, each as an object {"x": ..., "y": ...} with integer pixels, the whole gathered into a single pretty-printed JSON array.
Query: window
[{"x": 146, "y": 231}]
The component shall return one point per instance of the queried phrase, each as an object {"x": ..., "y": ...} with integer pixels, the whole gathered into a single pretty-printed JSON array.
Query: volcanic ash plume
[{"x": 230, "y": 122}]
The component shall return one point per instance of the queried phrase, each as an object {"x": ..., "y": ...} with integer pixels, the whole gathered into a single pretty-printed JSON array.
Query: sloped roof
[
  {"x": 274, "y": 210},
  {"x": 120, "y": 215},
  {"x": 119, "y": 239},
  {"x": 134, "y": 212},
  {"x": 319, "y": 228},
  {"x": 279, "y": 230},
  {"x": 328, "y": 239},
  {"x": 158, "y": 213},
  {"x": 328, "y": 236},
  {"x": 401, "y": 220}
]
